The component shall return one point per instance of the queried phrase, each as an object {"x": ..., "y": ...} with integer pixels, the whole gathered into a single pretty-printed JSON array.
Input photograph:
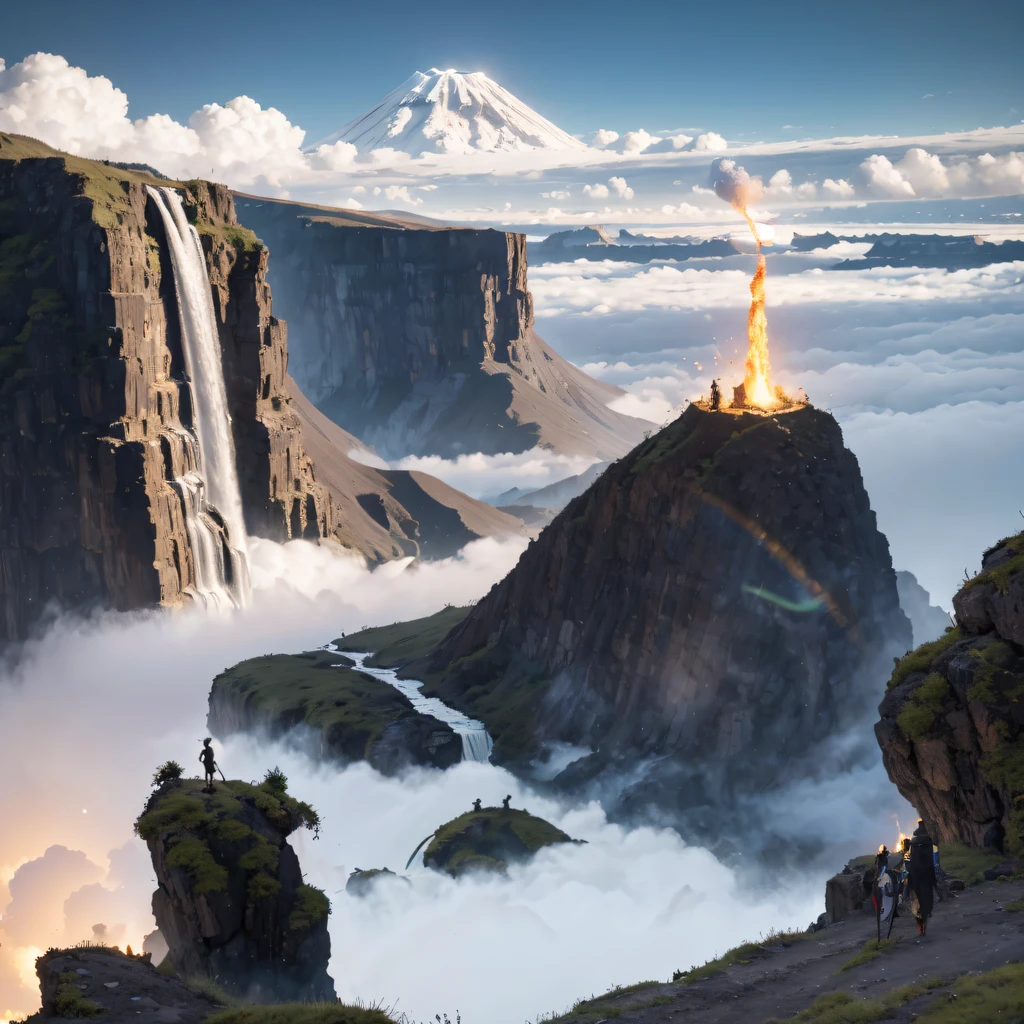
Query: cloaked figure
[
  {"x": 476, "y": 804},
  {"x": 209, "y": 764},
  {"x": 506, "y": 803},
  {"x": 921, "y": 876},
  {"x": 716, "y": 396}
]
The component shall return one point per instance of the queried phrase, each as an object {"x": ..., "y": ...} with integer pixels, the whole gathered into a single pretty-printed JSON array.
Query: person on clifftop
[
  {"x": 921, "y": 875},
  {"x": 716, "y": 396},
  {"x": 507, "y": 802},
  {"x": 209, "y": 764}
]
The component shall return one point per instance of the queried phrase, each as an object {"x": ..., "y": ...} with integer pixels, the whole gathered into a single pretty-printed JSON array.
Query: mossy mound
[
  {"x": 238, "y": 828},
  {"x": 489, "y": 840},
  {"x": 358, "y": 718},
  {"x": 302, "y": 1013},
  {"x": 396, "y": 645}
]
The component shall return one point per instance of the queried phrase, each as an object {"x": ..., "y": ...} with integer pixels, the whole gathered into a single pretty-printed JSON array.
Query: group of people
[
  {"x": 506, "y": 803},
  {"x": 910, "y": 884}
]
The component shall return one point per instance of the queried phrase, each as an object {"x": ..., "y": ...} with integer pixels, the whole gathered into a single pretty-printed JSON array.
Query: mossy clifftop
[
  {"x": 489, "y": 840},
  {"x": 232, "y": 903},
  {"x": 353, "y": 716},
  {"x": 952, "y": 720}
]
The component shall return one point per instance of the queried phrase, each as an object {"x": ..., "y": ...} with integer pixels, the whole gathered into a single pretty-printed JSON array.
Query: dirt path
[{"x": 968, "y": 934}]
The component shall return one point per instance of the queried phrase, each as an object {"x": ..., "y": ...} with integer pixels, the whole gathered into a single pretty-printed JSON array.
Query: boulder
[{"x": 231, "y": 903}]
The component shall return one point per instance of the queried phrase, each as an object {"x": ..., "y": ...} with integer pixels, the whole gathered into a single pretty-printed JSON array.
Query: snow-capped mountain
[{"x": 452, "y": 112}]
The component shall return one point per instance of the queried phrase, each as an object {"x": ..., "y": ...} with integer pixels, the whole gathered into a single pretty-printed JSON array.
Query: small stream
[{"x": 476, "y": 740}]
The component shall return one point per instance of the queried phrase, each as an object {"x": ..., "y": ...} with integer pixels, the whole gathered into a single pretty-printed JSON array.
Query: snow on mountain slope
[{"x": 451, "y": 112}]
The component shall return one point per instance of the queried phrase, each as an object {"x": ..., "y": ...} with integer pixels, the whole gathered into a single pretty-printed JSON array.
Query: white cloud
[
  {"x": 557, "y": 194},
  {"x": 427, "y": 188},
  {"x": 401, "y": 192},
  {"x": 604, "y": 137},
  {"x": 337, "y": 157},
  {"x": 925, "y": 172},
  {"x": 684, "y": 211},
  {"x": 678, "y": 141},
  {"x": 883, "y": 179},
  {"x": 352, "y": 204},
  {"x": 636, "y": 142},
  {"x": 710, "y": 142},
  {"x": 621, "y": 188},
  {"x": 839, "y": 189},
  {"x": 596, "y": 191}
]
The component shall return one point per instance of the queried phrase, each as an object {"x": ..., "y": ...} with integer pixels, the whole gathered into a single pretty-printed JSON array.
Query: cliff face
[
  {"x": 951, "y": 725},
  {"x": 230, "y": 901},
  {"x": 720, "y": 598},
  {"x": 95, "y": 411},
  {"x": 421, "y": 341},
  {"x": 340, "y": 714}
]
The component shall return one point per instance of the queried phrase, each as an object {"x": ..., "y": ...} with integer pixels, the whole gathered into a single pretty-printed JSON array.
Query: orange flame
[{"x": 757, "y": 385}]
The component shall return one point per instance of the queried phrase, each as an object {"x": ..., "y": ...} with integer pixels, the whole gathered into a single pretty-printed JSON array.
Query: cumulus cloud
[
  {"x": 838, "y": 189},
  {"x": 621, "y": 188},
  {"x": 399, "y": 192},
  {"x": 710, "y": 142},
  {"x": 596, "y": 191},
  {"x": 557, "y": 194},
  {"x": 684, "y": 211},
  {"x": 678, "y": 141},
  {"x": 733, "y": 184},
  {"x": 883, "y": 179},
  {"x": 604, "y": 137},
  {"x": 637, "y": 142}
]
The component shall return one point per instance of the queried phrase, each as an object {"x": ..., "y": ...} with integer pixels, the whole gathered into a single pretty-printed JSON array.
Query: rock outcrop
[
  {"x": 951, "y": 725},
  {"x": 928, "y": 621},
  {"x": 97, "y": 980},
  {"x": 489, "y": 840},
  {"x": 96, "y": 417},
  {"x": 231, "y": 902},
  {"x": 421, "y": 341},
  {"x": 318, "y": 702},
  {"x": 706, "y": 617}
]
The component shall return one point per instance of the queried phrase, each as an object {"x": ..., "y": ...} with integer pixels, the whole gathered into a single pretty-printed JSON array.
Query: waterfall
[
  {"x": 211, "y": 501},
  {"x": 476, "y": 740}
]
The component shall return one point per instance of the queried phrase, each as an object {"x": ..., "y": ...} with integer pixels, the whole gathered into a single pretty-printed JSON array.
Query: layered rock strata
[
  {"x": 231, "y": 901},
  {"x": 951, "y": 725},
  {"x": 421, "y": 341},
  {"x": 96, "y": 419},
  {"x": 713, "y": 610}
]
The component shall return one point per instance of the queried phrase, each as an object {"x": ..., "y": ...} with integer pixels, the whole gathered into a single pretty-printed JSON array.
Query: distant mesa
[
  {"x": 489, "y": 840},
  {"x": 453, "y": 112}
]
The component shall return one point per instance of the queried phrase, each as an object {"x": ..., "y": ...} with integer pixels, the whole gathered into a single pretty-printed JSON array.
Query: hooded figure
[{"x": 921, "y": 875}]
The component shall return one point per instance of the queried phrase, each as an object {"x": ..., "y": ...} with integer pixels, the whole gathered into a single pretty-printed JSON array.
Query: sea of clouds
[{"x": 99, "y": 702}]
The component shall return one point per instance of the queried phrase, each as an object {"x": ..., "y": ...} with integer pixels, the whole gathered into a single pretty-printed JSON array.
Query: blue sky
[{"x": 743, "y": 69}]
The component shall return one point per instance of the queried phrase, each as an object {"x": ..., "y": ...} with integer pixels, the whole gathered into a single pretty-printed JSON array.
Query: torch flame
[{"x": 757, "y": 384}]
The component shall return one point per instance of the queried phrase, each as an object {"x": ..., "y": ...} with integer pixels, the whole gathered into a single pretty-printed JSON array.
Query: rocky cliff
[
  {"x": 717, "y": 606},
  {"x": 951, "y": 725},
  {"x": 231, "y": 902},
  {"x": 338, "y": 714},
  {"x": 421, "y": 341},
  {"x": 96, "y": 418}
]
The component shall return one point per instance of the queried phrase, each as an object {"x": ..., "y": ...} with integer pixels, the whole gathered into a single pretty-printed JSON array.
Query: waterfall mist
[
  {"x": 216, "y": 472},
  {"x": 99, "y": 703}
]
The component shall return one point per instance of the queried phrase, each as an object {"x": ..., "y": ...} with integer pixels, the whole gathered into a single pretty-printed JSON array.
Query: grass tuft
[
  {"x": 302, "y": 1013},
  {"x": 871, "y": 950},
  {"x": 920, "y": 659}
]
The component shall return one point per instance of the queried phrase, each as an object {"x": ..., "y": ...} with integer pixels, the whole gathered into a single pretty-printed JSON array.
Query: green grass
[
  {"x": 919, "y": 714},
  {"x": 1003, "y": 574},
  {"x": 70, "y": 1002},
  {"x": 742, "y": 954},
  {"x": 186, "y": 818},
  {"x": 234, "y": 235},
  {"x": 1004, "y": 767},
  {"x": 311, "y": 905},
  {"x": 995, "y": 996},
  {"x": 871, "y": 950},
  {"x": 207, "y": 988},
  {"x": 586, "y": 1011},
  {"x": 302, "y": 1013},
  {"x": 842, "y": 1008},
  {"x": 1015, "y": 906},
  {"x": 920, "y": 659},
  {"x": 402, "y": 642},
  {"x": 460, "y": 840},
  {"x": 349, "y": 709},
  {"x": 967, "y": 863}
]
